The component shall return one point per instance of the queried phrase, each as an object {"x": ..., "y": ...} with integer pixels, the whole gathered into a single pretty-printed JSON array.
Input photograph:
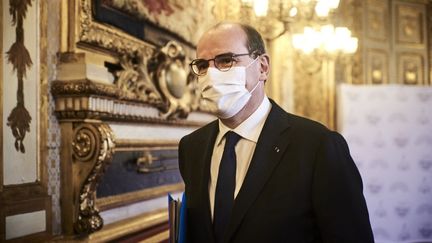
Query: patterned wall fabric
[{"x": 389, "y": 131}]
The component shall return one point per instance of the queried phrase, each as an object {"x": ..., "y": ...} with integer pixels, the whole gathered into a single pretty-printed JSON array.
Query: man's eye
[
  {"x": 224, "y": 60},
  {"x": 202, "y": 65}
]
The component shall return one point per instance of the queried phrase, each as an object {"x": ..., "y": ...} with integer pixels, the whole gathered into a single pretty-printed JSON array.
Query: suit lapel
[
  {"x": 205, "y": 157},
  {"x": 268, "y": 152}
]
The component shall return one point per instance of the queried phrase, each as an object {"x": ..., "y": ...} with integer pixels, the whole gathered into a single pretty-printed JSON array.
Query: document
[{"x": 177, "y": 219}]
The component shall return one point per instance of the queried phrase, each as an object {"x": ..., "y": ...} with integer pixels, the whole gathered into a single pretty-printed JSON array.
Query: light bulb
[
  {"x": 321, "y": 9},
  {"x": 260, "y": 7},
  {"x": 293, "y": 12}
]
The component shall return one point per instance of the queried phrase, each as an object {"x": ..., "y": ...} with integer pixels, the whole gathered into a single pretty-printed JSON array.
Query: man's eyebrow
[{"x": 225, "y": 54}]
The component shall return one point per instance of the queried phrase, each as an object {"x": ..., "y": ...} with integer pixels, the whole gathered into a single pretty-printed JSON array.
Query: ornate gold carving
[
  {"x": 92, "y": 142},
  {"x": 84, "y": 87},
  {"x": 178, "y": 87},
  {"x": 162, "y": 79},
  {"x": 134, "y": 79},
  {"x": 377, "y": 67},
  {"x": 93, "y": 33},
  {"x": 19, "y": 119},
  {"x": 84, "y": 144},
  {"x": 410, "y": 68}
]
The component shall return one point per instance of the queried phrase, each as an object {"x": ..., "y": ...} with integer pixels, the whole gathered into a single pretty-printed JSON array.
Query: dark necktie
[{"x": 224, "y": 197}]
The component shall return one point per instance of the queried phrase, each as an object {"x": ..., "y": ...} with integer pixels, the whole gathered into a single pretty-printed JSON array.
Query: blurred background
[{"x": 97, "y": 93}]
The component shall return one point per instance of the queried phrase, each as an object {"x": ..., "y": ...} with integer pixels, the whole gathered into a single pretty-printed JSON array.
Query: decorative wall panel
[
  {"x": 410, "y": 21},
  {"x": 410, "y": 69},
  {"x": 410, "y": 43},
  {"x": 23, "y": 179},
  {"x": 389, "y": 131},
  {"x": 377, "y": 24},
  {"x": 20, "y": 93},
  {"x": 397, "y": 29},
  {"x": 27, "y": 223},
  {"x": 377, "y": 66}
]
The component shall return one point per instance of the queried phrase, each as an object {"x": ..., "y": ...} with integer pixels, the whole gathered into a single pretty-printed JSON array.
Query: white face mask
[{"x": 227, "y": 90}]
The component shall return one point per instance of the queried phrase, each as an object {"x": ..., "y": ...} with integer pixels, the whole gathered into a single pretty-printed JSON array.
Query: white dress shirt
[{"x": 249, "y": 130}]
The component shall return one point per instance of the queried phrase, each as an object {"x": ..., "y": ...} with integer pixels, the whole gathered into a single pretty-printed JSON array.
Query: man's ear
[{"x": 264, "y": 60}]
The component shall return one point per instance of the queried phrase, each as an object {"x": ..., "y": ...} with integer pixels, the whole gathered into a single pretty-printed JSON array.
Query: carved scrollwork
[
  {"x": 161, "y": 78},
  {"x": 84, "y": 144},
  {"x": 91, "y": 143},
  {"x": 169, "y": 71},
  {"x": 83, "y": 87},
  {"x": 134, "y": 80}
]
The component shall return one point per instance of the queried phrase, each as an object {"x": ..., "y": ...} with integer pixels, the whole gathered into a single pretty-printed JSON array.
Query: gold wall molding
[
  {"x": 92, "y": 33},
  {"x": 84, "y": 99},
  {"x": 83, "y": 87},
  {"x": 105, "y": 203},
  {"x": 129, "y": 226},
  {"x": 134, "y": 145}
]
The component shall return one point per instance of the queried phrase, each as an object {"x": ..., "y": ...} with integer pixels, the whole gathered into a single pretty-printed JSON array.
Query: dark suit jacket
[{"x": 302, "y": 186}]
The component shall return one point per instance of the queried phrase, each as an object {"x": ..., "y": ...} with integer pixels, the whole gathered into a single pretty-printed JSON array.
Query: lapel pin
[{"x": 277, "y": 149}]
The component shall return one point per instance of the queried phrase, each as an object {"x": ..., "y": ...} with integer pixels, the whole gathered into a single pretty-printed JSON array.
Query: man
[{"x": 259, "y": 174}]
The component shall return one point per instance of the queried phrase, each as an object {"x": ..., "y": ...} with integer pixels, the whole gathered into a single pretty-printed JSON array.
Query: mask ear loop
[
  {"x": 254, "y": 88},
  {"x": 252, "y": 62}
]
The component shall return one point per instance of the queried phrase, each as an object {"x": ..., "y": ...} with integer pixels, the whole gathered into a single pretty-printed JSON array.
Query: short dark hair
[{"x": 254, "y": 41}]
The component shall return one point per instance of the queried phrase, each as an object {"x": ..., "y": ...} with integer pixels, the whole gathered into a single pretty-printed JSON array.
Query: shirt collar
[{"x": 250, "y": 128}]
